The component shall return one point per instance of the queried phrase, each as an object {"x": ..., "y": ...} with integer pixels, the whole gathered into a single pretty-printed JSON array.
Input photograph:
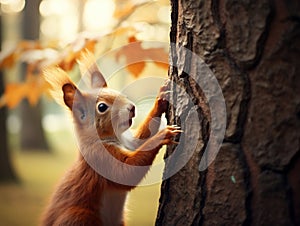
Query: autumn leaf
[
  {"x": 132, "y": 39},
  {"x": 9, "y": 58},
  {"x": 36, "y": 86},
  {"x": 37, "y": 58},
  {"x": 162, "y": 65},
  {"x": 136, "y": 56},
  {"x": 32, "y": 89},
  {"x": 39, "y": 55},
  {"x": 13, "y": 94},
  {"x": 28, "y": 45},
  {"x": 74, "y": 51},
  {"x": 136, "y": 68}
]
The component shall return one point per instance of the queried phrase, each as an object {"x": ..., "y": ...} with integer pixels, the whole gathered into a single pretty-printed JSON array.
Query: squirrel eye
[{"x": 102, "y": 107}]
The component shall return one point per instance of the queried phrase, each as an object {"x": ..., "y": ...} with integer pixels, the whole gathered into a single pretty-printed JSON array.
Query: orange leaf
[
  {"x": 136, "y": 56},
  {"x": 90, "y": 45},
  {"x": 74, "y": 50},
  {"x": 33, "y": 90},
  {"x": 8, "y": 60},
  {"x": 33, "y": 87},
  {"x": 161, "y": 65},
  {"x": 29, "y": 45},
  {"x": 14, "y": 93},
  {"x": 132, "y": 39},
  {"x": 136, "y": 69}
]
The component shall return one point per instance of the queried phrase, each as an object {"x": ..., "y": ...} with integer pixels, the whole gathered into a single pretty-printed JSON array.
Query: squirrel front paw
[
  {"x": 163, "y": 137},
  {"x": 166, "y": 135}
]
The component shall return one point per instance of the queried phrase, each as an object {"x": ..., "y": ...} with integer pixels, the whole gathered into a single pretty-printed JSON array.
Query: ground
[{"x": 22, "y": 203}]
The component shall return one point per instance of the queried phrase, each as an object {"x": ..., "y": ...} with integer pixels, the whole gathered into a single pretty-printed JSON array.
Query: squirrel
[{"x": 101, "y": 116}]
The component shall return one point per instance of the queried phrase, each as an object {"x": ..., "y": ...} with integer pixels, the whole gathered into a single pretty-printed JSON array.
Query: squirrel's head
[{"x": 100, "y": 107}]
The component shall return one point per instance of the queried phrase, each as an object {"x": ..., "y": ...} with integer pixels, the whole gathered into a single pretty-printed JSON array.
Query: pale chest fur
[{"x": 112, "y": 207}]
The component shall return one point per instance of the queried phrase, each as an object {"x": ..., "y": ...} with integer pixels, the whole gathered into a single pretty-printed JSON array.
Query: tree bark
[
  {"x": 32, "y": 133},
  {"x": 253, "y": 49},
  {"x": 7, "y": 172}
]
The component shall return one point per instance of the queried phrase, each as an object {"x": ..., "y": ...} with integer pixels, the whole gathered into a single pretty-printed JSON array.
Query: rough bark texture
[
  {"x": 32, "y": 133},
  {"x": 253, "y": 48}
]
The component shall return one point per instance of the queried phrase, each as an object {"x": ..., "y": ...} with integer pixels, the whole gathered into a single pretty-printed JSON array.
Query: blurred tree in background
[
  {"x": 6, "y": 170},
  {"x": 32, "y": 133}
]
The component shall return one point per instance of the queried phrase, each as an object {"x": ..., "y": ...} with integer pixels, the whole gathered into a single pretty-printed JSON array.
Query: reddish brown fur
[{"x": 81, "y": 195}]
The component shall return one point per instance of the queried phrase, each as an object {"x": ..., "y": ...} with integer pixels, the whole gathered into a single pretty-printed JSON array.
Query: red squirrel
[{"x": 84, "y": 196}]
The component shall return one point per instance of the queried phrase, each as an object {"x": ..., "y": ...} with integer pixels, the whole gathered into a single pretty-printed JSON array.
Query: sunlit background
[{"x": 63, "y": 22}]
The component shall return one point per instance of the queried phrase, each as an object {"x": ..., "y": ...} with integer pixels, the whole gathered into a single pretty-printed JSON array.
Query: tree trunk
[
  {"x": 32, "y": 133},
  {"x": 6, "y": 170},
  {"x": 253, "y": 49}
]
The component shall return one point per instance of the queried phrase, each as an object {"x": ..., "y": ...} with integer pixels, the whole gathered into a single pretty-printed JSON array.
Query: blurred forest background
[{"x": 37, "y": 144}]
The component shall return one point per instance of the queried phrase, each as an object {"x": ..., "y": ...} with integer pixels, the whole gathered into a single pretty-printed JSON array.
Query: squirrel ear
[
  {"x": 87, "y": 65},
  {"x": 74, "y": 100},
  {"x": 69, "y": 94},
  {"x": 97, "y": 80}
]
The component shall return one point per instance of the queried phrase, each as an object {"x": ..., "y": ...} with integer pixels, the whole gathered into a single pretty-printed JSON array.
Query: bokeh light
[
  {"x": 59, "y": 19},
  {"x": 98, "y": 15},
  {"x": 12, "y": 6}
]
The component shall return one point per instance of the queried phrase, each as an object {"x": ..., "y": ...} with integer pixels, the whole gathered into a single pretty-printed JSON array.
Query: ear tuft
[
  {"x": 56, "y": 78},
  {"x": 88, "y": 66},
  {"x": 65, "y": 91}
]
